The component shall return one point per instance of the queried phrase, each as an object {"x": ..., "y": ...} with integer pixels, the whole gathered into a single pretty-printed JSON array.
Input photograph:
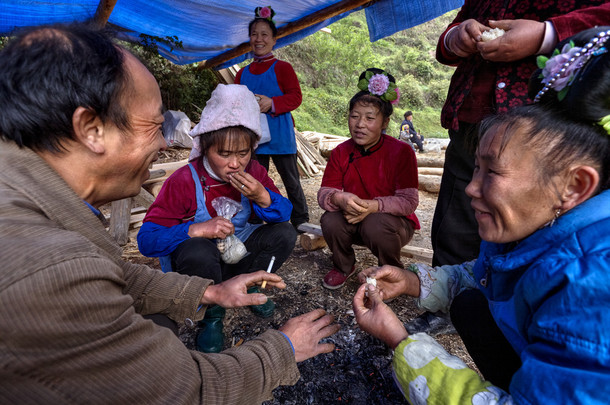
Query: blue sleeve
[
  {"x": 156, "y": 240},
  {"x": 279, "y": 210}
]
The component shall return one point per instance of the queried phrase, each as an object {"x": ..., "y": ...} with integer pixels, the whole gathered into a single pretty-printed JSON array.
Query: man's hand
[
  {"x": 462, "y": 40},
  {"x": 376, "y": 318},
  {"x": 306, "y": 331},
  {"x": 253, "y": 189},
  {"x": 522, "y": 38},
  {"x": 217, "y": 227},
  {"x": 233, "y": 292},
  {"x": 392, "y": 281}
]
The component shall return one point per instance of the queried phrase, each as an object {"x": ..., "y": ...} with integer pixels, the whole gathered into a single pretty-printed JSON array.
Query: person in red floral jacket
[{"x": 490, "y": 77}]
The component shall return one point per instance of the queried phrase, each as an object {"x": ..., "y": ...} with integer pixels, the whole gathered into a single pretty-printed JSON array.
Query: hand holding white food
[
  {"x": 306, "y": 331},
  {"x": 217, "y": 227},
  {"x": 462, "y": 40},
  {"x": 233, "y": 292},
  {"x": 392, "y": 281},
  {"x": 376, "y": 318},
  {"x": 522, "y": 38}
]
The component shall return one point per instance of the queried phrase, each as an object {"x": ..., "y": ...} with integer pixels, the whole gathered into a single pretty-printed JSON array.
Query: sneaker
[
  {"x": 336, "y": 279},
  {"x": 431, "y": 323},
  {"x": 264, "y": 310}
]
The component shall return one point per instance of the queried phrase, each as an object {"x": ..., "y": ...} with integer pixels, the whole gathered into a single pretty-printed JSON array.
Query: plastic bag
[
  {"x": 232, "y": 250},
  {"x": 176, "y": 128},
  {"x": 265, "y": 133}
]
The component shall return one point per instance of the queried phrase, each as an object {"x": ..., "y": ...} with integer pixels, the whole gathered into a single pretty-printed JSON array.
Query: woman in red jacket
[{"x": 370, "y": 188}]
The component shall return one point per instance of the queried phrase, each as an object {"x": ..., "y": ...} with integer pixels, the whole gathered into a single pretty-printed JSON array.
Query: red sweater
[
  {"x": 287, "y": 80},
  {"x": 177, "y": 201}
]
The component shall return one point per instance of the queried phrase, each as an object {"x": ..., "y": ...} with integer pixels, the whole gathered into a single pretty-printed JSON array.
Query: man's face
[{"x": 132, "y": 152}]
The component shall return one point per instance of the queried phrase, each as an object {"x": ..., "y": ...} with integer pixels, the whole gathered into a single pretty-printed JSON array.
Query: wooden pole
[
  {"x": 290, "y": 28},
  {"x": 119, "y": 220},
  {"x": 102, "y": 14}
]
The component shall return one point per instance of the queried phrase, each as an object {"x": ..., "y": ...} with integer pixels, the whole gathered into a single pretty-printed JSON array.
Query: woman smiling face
[
  {"x": 262, "y": 40},
  {"x": 508, "y": 197}
]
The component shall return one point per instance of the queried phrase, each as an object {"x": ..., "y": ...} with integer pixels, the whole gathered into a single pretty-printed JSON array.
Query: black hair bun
[{"x": 377, "y": 71}]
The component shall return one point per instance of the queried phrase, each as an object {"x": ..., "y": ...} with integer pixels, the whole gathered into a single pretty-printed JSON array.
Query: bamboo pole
[
  {"x": 290, "y": 28},
  {"x": 102, "y": 14}
]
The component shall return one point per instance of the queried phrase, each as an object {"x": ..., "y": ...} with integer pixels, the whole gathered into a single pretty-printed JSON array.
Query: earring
[{"x": 557, "y": 214}]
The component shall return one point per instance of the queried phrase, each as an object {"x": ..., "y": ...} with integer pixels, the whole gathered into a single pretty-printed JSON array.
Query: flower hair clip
[
  {"x": 379, "y": 84},
  {"x": 266, "y": 13},
  {"x": 605, "y": 123},
  {"x": 559, "y": 71}
]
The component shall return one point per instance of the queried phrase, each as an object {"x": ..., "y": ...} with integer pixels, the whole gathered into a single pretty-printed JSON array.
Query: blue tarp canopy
[{"x": 209, "y": 28}]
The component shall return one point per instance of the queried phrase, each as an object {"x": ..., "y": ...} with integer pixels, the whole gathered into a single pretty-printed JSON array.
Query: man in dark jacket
[{"x": 409, "y": 131}]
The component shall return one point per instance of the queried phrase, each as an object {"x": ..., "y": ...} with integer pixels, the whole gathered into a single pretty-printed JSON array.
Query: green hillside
[{"x": 328, "y": 65}]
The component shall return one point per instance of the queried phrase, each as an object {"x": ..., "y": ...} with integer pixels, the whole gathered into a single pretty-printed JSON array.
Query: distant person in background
[
  {"x": 408, "y": 129},
  {"x": 185, "y": 226},
  {"x": 490, "y": 77},
  {"x": 279, "y": 92},
  {"x": 370, "y": 187}
]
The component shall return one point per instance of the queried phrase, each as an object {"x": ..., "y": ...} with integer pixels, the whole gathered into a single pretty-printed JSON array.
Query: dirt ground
[{"x": 359, "y": 370}]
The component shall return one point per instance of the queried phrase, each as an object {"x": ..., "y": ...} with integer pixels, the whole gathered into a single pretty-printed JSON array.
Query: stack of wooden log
[
  {"x": 323, "y": 143},
  {"x": 309, "y": 160}
]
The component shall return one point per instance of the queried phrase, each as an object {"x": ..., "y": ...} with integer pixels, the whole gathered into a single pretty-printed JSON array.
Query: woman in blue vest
[
  {"x": 277, "y": 88},
  {"x": 183, "y": 226}
]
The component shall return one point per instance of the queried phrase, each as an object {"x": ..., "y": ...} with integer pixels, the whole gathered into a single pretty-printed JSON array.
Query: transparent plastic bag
[{"x": 232, "y": 250}]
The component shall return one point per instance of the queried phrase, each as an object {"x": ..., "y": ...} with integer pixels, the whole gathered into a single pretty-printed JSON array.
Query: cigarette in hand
[{"x": 268, "y": 270}]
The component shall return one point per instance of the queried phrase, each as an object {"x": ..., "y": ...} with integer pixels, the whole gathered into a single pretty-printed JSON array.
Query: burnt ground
[{"x": 359, "y": 370}]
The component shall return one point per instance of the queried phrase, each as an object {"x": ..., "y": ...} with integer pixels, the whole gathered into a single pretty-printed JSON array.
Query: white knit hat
[{"x": 230, "y": 105}]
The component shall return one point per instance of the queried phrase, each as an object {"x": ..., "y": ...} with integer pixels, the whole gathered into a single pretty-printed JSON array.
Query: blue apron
[
  {"x": 243, "y": 229},
  {"x": 281, "y": 127}
]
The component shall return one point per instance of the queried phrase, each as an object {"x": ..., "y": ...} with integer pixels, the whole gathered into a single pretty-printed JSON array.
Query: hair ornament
[
  {"x": 379, "y": 84},
  {"x": 605, "y": 123},
  {"x": 266, "y": 13},
  {"x": 559, "y": 71}
]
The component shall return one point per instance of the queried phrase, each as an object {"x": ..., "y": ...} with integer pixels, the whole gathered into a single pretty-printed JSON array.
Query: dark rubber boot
[
  {"x": 264, "y": 310},
  {"x": 211, "y": 337}
]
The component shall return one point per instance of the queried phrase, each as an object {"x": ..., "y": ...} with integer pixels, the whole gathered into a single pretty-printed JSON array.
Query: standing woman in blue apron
[
  {"x": 182, "y": 227},
  {"x": 277, "y": 88}
]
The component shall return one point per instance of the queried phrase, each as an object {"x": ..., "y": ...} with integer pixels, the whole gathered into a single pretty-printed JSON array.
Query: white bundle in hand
[
  {"x": 231, "y": 248},
  {"x": 492, "y": 34}
]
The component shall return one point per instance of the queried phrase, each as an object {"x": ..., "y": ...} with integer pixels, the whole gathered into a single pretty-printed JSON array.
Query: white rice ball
[
  {"x": 372, "y": 281},
  {"x": 492, "y": 34}
]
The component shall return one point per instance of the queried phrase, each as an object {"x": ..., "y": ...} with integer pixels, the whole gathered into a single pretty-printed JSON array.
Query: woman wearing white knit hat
[{"x": 183, "y": 226}]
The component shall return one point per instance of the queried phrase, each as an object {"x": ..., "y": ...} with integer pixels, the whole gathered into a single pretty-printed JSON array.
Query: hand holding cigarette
[
  {"x": 268, "y": 270},
  {"x": 232, "y": 293}
]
